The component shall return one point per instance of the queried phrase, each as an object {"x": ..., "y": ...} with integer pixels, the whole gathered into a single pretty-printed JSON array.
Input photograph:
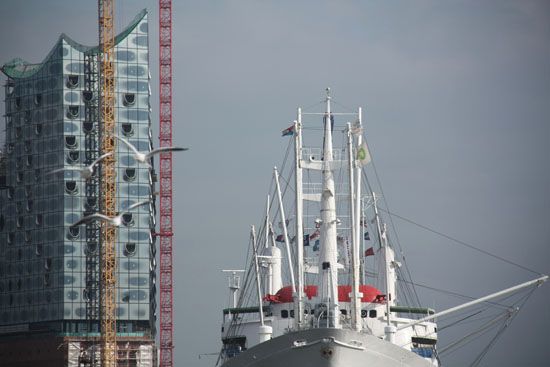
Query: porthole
[
  {"x": 130, "y": 249},
  {"x": 71, "y": 188},
  {"x": 127, "y": 129},
  {"x": 128, "y": 219},
  {"x": 73, "y": 112},
  {"x": 38, "y": 99},
  {"x": 364, "y": 314},
  {"x": 130, "y": 174},
  {"x": 129, "y": 99},
  {"x": 70, "y": 142},
  {"x": 284, "y": 314},
  {"x": 372, "y": 314},
  {"x": 72, "y": 81}
]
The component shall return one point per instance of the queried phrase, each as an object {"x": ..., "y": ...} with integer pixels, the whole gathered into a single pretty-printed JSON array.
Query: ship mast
[{"x": 328, "y": 256}]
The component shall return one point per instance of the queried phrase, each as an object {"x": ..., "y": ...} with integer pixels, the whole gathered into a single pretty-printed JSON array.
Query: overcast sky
[{"x": 456, "y": 97}]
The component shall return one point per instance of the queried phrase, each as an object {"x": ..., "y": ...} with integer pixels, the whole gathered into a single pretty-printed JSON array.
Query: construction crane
[
  {"x": 165, "y": 163},
  {"x": 107, "y": 183}
]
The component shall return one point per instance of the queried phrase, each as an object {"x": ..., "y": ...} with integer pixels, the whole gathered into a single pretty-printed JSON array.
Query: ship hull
[{"x": 326, "y": 348}]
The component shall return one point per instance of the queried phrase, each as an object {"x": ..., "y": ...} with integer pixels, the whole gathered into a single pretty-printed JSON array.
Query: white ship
[{"x": 321, "y": 286}]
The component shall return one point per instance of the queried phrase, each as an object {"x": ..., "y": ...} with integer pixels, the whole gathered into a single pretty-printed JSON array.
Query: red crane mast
[{"x": 165, "y": 137}]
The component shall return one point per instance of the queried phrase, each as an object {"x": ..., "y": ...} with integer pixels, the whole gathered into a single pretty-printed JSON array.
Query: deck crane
[
  {"x": 107, "y": 183},
  {"x": 165, "y": 136}
]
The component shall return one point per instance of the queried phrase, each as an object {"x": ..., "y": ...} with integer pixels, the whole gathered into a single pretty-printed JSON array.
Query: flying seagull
[
  {"x": 85, "y": 172},
  {"x": 114, "y": 221},
  {"x": 145, "y": 157}
]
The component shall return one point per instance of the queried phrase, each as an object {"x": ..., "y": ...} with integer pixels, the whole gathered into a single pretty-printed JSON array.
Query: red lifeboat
[{"x": 284, "y": 295}]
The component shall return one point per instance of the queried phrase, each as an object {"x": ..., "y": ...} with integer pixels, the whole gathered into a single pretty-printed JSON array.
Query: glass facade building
[{"x": 49, "y": 269}]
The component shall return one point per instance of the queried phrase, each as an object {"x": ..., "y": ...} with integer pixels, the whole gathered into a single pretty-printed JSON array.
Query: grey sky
[{"x": 456, "y": 97}]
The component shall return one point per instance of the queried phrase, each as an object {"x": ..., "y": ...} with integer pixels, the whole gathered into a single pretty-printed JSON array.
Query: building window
[
  {"x": 28, "y": 236},
  {"x": 28, "y": 191},
  {"x": 129, "y": 174},
  {"x": 91, "y": 202},
  {"x": 30, "y": 204},
  {"x": 18, "y": 103},
  {"x": 37, "y": 129},
  {"x": 28, "y": 146},
  {"x": 18, "y": 132},
  {"x": 128, "y": 219},
  {"x": 38, "y": 220},
  {"x": 87, "y": 126},
  {"x": 37, "y": 175},
  {"x": 130, "y": 249},
  {"x": 73, "y": 233},
  {"x": 73, "y": 112},
  {"x": 72, "y": 81},
  {"x": 48, "y": 264},
  {"x": 38, "y": 249},
  {"x": 87, "y": 95},
  {"x": 70, "y": 142},
  {"x": 129, "y": 99},
  {"x": 73, "y": 156},
  {"x": 127, "y": 129},
  {"x": 47, "y": 283},
  {"x": 20, "y": 222},
  {"x": 11, "y": 238},
  {"x": 20, "y": 177},
  {"x": 91, "y": 248},
  {"x": 38, "y": 99},
  {"x": 10, "y": 148},
  {"x": 29, "y": 161},
  {"x": 27, "y": 117},
  {"x": 71, "y": 188}
]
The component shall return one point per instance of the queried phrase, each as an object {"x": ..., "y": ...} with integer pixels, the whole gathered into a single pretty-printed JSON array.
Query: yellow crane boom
[{"x": 107, "y": 183}]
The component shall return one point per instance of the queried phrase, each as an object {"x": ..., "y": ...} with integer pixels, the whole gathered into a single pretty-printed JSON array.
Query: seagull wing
[
  {"x": 95, "y": 216},
  {"x": 100, "y": 159},
  {"x": 165, "y": 149},
  {"x": 64, "y": 169},
  {"x": 139, "y": 203},
  {"x": 128, "y": 144}
]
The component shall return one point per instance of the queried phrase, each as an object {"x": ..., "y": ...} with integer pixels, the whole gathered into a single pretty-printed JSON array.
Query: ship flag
[
  {"x": 288, "y": 131},
  {"x": 363, "y": 155},
  {"x": 369, "y": 251}
]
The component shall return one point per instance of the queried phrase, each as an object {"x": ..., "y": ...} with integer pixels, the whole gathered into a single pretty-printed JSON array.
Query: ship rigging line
[
  {"x": 413, "y": 291},
  {"x": 470, "y": 246}
]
